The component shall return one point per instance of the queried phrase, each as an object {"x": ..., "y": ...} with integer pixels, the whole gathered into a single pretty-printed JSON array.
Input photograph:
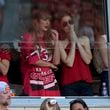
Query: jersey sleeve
[{"x": 29, "y": 50}]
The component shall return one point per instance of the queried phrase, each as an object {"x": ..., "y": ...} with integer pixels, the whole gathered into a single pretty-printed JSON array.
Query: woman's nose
[{"x": 47, "y": 21}]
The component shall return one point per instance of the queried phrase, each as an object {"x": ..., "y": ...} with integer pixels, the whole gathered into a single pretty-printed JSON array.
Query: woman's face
[
  {"x": 66, "y": 21},
  {"x": 44, "y": 24},
  {"x": 78, "y": 106}
]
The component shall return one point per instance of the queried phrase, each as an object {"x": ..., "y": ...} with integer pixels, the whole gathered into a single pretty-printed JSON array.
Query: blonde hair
[
  {"x": 44, "y": 105},
  {"x": 42, "y": 14}
]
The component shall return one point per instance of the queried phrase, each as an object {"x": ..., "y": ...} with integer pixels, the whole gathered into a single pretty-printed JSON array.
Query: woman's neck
[
  {"x": 40, "y": 34},
  {"x": 64, "y": 36}
]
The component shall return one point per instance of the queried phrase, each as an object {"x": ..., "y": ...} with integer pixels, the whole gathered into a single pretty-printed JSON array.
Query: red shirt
[
  {"x": 4, "y": 55},
  {"x": 78, "y": 72}
]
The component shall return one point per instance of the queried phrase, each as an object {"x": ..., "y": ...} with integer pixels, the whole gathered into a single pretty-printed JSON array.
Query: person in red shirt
[
  {"x": 39, "y": 56},
  {"x": 5, "y": 57},
  {"x": 76, "y": 56}
]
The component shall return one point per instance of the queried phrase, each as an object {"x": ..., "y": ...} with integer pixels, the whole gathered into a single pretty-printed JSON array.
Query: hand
[
  {"x": 72, "y": 33},
  {"x": 73, "y": 36},
  {"x": 55, "y": 35},
  {"x": 54, "y": 67},
  {"x": 71, "y": 28}
]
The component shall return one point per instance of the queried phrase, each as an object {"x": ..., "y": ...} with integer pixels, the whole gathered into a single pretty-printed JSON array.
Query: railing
[{"x": 33, "y": 103}]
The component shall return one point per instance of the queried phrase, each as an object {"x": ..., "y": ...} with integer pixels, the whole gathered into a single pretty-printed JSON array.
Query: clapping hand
[
  {"x": 54, "y": 35},
  {"x": 55, "y": 68},
  {"x": 73, "y": 36}
]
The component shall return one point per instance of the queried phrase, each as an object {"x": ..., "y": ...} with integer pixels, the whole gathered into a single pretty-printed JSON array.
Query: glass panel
[
  {"x": 88, "y": 16},
  {"x": 109, "y": 65}
]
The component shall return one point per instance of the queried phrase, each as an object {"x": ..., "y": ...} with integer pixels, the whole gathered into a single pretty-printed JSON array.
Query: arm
[
  {"x": 83, "y": 45},
  {"x": 4, "y": 66},
  {"x": 32, "y": 53},
  {"x": 67, "y": 59},
  {"x": 102, "y": 46},
  {"x": 56, "y": 53},
  {"x": 42, "y": 63},
  {"x": 5, "y": 59}
]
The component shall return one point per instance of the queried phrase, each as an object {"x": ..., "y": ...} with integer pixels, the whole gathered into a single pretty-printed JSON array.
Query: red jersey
[
  {"x": 38, "y": 81},
  {"x": 4, "y": 54}
]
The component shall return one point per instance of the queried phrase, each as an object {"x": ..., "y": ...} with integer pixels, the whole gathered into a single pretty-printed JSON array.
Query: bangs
[
  {"x": 45, "y": 15},
  {"x": 42, "y": 14}
]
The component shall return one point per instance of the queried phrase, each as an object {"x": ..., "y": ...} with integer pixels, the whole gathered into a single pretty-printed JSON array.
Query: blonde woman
[
  {"x": 40, "y": 56},
  {"x": 49, "y": 104}
]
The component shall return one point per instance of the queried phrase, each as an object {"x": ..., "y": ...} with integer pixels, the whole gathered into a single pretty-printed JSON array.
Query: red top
[
  {"x": 4, "y": 55},
  {"x": 80, "y": 71},
  {"x": 38, "y": 81}
]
